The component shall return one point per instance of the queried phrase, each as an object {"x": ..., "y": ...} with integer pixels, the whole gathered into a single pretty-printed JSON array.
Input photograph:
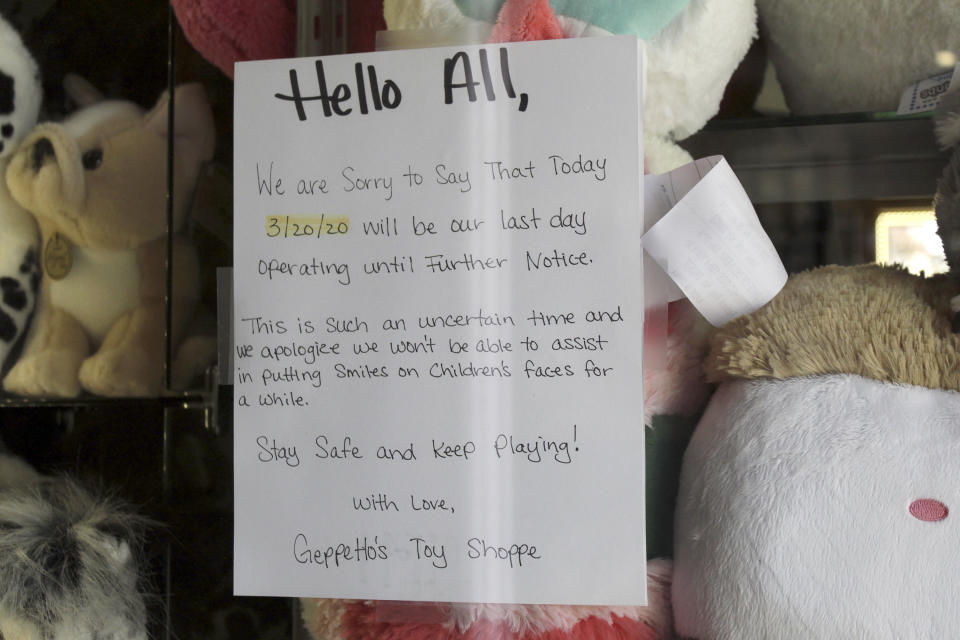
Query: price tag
[{"x": 925, "y": 95}]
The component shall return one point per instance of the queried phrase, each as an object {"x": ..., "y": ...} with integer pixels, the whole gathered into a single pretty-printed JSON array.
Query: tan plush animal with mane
[
  {"x": 819, "y": 493},
  {"x": 97, "y": 185}
]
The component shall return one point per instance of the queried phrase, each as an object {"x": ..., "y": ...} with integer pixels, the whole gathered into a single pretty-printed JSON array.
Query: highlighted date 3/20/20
[{"x": 307, "y": 226}]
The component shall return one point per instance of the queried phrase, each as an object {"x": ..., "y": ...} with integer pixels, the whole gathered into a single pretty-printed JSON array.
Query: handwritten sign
[{"x": 438, "y": 321}]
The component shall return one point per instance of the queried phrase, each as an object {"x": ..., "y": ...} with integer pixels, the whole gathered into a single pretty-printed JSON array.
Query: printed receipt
[
  {"x": 925, "y": 95},
  {"x": 706, "y": 237}
]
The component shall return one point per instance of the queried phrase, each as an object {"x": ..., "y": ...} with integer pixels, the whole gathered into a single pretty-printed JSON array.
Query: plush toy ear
[
  {"x": 14, "y": 472},
  {"x": 423, "y": 14},
  {"x": 526, "y": 20},
  {"x": 193, "y": 125},
  {"x": 118, "y": 551},
  {"x": 125, "y": 570},
  {"x": 81, "y": 91},
  {"x": 229, "y": 31}
]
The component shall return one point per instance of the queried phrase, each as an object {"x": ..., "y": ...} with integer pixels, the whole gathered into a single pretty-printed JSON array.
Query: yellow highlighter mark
[{"x": 307, "y": 226}]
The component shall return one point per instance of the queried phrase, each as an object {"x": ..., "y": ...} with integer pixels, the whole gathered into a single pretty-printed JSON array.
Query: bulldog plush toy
[{"x": 97, "y": 185}]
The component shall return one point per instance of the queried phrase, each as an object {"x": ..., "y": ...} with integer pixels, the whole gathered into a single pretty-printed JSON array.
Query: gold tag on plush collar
[{"x": 57, "y": 257}]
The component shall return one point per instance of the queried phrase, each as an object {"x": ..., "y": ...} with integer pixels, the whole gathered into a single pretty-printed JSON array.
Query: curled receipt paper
[{"x": 706, "y": 237}]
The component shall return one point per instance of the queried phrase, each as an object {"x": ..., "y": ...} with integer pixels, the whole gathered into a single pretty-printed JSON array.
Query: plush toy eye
[{"x": 92, "y": 159}]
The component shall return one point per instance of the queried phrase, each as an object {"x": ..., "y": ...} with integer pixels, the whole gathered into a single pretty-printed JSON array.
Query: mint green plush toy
[
  {"x": 645, "y": 19},
  {"x": 692, "y": 48}
]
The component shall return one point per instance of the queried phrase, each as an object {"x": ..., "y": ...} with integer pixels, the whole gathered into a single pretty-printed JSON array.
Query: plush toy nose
[
  {"x": 928, "y": 510},
  {"x": 41, "y": 149}
]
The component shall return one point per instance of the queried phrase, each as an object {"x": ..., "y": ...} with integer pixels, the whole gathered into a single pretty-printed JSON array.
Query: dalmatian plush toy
[{"x": 20, "y": 97}]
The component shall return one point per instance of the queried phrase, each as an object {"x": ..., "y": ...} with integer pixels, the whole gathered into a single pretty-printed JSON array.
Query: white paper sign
[
  {"x": 709, "y": 241},
  {"x": 438, "y": 316}
]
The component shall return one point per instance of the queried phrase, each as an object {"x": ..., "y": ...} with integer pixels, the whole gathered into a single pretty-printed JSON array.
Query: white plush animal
[
  {"x": 20, "y": 97},
  {"x": 857, "y": 55},
  {"x": 819, "y": 495}
]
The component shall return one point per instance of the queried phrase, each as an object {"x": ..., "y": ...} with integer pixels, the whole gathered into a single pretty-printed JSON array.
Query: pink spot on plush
[
  {"x": 928, "y": 510},
  {"x": 526, "y": 20}
]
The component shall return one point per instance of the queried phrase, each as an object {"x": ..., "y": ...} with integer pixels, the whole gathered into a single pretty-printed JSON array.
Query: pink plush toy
[
  {"x": 691, "y": 48},
  {"x": 376, "y": 620},
  {"x": 525, "y": 21},
  {"x": 229, "y": 31},
  {"x": 676, "y": 386}
]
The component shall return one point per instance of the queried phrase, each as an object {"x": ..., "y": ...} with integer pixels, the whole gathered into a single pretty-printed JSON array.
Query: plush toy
[
  {"x": 228, "y": 31},
  {"x": 366, "y": 620},
  {"x": 692, "y": 48},
  {"x": 68, "y": 567},
  {"x": 97, "y": 186},
  {"x": 856, "y": 55},
  {"x": 818, "y": 492},
  {"x": 20, "y": 97}
]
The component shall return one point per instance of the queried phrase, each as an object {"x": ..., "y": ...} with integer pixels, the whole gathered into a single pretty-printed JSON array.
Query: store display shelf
[
  {"x": 187, "y": 400},
  {"x": 843, "y": 157}
]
